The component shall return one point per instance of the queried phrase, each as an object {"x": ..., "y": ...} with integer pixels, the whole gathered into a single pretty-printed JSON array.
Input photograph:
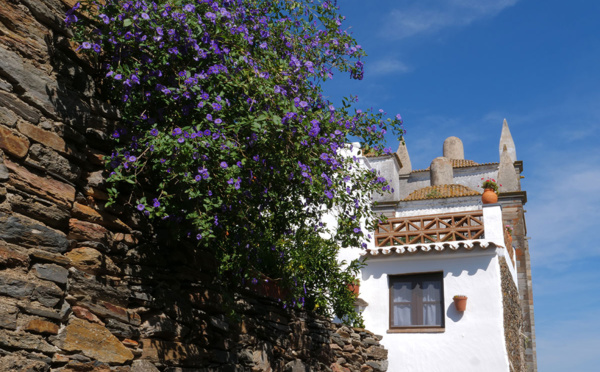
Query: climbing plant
[{"x": 225, "y": 134}]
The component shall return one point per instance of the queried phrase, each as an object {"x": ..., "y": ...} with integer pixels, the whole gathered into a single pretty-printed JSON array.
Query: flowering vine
[{"x": 225, "y": 132}]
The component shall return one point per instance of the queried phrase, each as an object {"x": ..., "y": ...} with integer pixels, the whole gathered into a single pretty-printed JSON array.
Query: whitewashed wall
[{"x": 472, "y": 341}]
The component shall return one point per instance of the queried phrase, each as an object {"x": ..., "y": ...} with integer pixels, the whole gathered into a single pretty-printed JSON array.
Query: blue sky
[{"x": 458, "y": 68}]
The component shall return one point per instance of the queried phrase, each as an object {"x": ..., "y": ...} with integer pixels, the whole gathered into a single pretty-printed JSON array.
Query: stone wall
[
  {"x": 514, "y": 214},
  {"x": 513, "y": 320},
  {"x": 89, "y": 288}
]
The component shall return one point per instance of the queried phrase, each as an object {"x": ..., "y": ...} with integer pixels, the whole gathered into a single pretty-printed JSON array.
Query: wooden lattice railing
[{"x": 430, "y": 229}]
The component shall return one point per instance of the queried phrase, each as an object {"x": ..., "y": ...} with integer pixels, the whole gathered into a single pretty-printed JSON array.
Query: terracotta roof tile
[
  {"x": 458, "y": 163},
  {"x": 441, "y": 191},
  {"x": 467, "y": 245}
]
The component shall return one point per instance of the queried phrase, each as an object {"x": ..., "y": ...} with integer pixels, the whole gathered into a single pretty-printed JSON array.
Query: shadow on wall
[
  {"x": 451, "y": 263},
  {"x": 453, "y": 314}
]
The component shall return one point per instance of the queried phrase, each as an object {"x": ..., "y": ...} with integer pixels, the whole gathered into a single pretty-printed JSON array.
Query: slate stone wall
[
  {"x": 513, "y": 213},
  {"x": 513, "y": 320},
  {"x": 89, "y": 288}
]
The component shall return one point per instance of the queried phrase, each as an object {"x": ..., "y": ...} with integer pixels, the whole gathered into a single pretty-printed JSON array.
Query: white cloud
[
  {"x": 386, "y": 66},
  {"x": 426, "y": 16}
]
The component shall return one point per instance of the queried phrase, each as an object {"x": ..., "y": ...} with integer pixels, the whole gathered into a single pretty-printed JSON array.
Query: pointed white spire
[
  {"x": 507, "y": 175},
  {"x": 506, "y": 141},
  {"x": 402, "y": 153}
]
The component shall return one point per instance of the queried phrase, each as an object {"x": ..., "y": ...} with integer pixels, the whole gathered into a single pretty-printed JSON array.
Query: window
[{"x": 417, "y": 302}]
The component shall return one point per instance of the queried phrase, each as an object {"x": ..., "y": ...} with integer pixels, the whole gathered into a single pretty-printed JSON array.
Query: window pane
[
  {"x": 402, "y": 292},
  {"x": 431, "y": 290},
  {"x": 402, "y": 315},
  {"x": 432, "y": 307},
  {"x": 432, "y": 314},
  {"x": 416, "y": 300}
]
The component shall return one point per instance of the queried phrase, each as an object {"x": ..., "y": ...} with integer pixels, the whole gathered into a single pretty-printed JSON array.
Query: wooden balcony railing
[{"x": 430, "y": 229}]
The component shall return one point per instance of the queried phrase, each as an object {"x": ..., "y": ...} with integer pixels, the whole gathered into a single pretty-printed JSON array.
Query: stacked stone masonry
[
  {"x": 513, "y": 320},
  {"x": 513, "y": 212},
  {"x": 89, "y": 288}
]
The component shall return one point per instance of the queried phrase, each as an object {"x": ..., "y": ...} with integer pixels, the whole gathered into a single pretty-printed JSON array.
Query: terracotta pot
[
  {"x": 354, "y": 288},
  {"x": 489, "y": 197},
  {"x": 460, "y": 302}
]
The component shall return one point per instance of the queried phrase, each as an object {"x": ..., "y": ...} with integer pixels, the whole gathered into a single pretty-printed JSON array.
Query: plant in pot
[
  {"x": 460, "y": 302},
  {"x": 508, "y": 230},
  {"x": 354, "y": 286},
  {"x": 490, "y": 191}
]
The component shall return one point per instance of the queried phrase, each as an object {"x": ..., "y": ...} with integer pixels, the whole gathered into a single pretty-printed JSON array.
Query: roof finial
[
  {"x": 402, "y": 153},
  {"x": 453, "y": 148},
  {"x": 506, "y": 140},
  {"x": 441, "y": 172},
  {"x": 507, "y": 175}
]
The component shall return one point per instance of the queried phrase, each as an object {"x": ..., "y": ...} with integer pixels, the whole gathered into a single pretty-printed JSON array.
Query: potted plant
[
  {"x": 354, "y": 286},
  {"x": 460, "y": 302},
  {"x": 508, "y": 229},
  {"x": 490, "y": 191}
]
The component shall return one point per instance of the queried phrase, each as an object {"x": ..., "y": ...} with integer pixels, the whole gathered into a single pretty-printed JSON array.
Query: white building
[{"x": 440, "y": 241}]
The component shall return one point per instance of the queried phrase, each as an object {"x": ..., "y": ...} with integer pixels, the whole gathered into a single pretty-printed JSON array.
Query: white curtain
[
  {"x": 432, "y": 312},
  {"x": 402, "y": 313}
]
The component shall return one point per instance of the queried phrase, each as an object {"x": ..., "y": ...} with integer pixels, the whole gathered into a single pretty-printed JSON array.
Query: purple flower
[
  {"x": 216, "y": 107},
  {"x": 223, "y": 165},
  {"x": 118, "y": 77},
  {"x": 328, "y": 194},
  {"x": 357, "y": 230},
  {"x": 86, "y": 45},
  {"x": 210, "y": 16},
  {"x": 218, "y": 121},
  {"x": 132, "y": 158},
  {"x": 140, "y": 207},
  {"x": 181, "y": 140},
  {"x": 145, "y": 16},
  {"x": 97, "y": 48},
  {"x": 203, "y": 172},
  {"x": 189, "y": 8},
  {"x": 156, "y": 203},
  {"x": 315, "y": 129},
  {"x": 154, "y": 132},
  {"x": 198, "y": 177},
  {"x": 199, "y": 236},
  {"x": 303, "y": 104},
  {"x": 177, "y": 131},
  {"x": 104, "y": 18}
]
